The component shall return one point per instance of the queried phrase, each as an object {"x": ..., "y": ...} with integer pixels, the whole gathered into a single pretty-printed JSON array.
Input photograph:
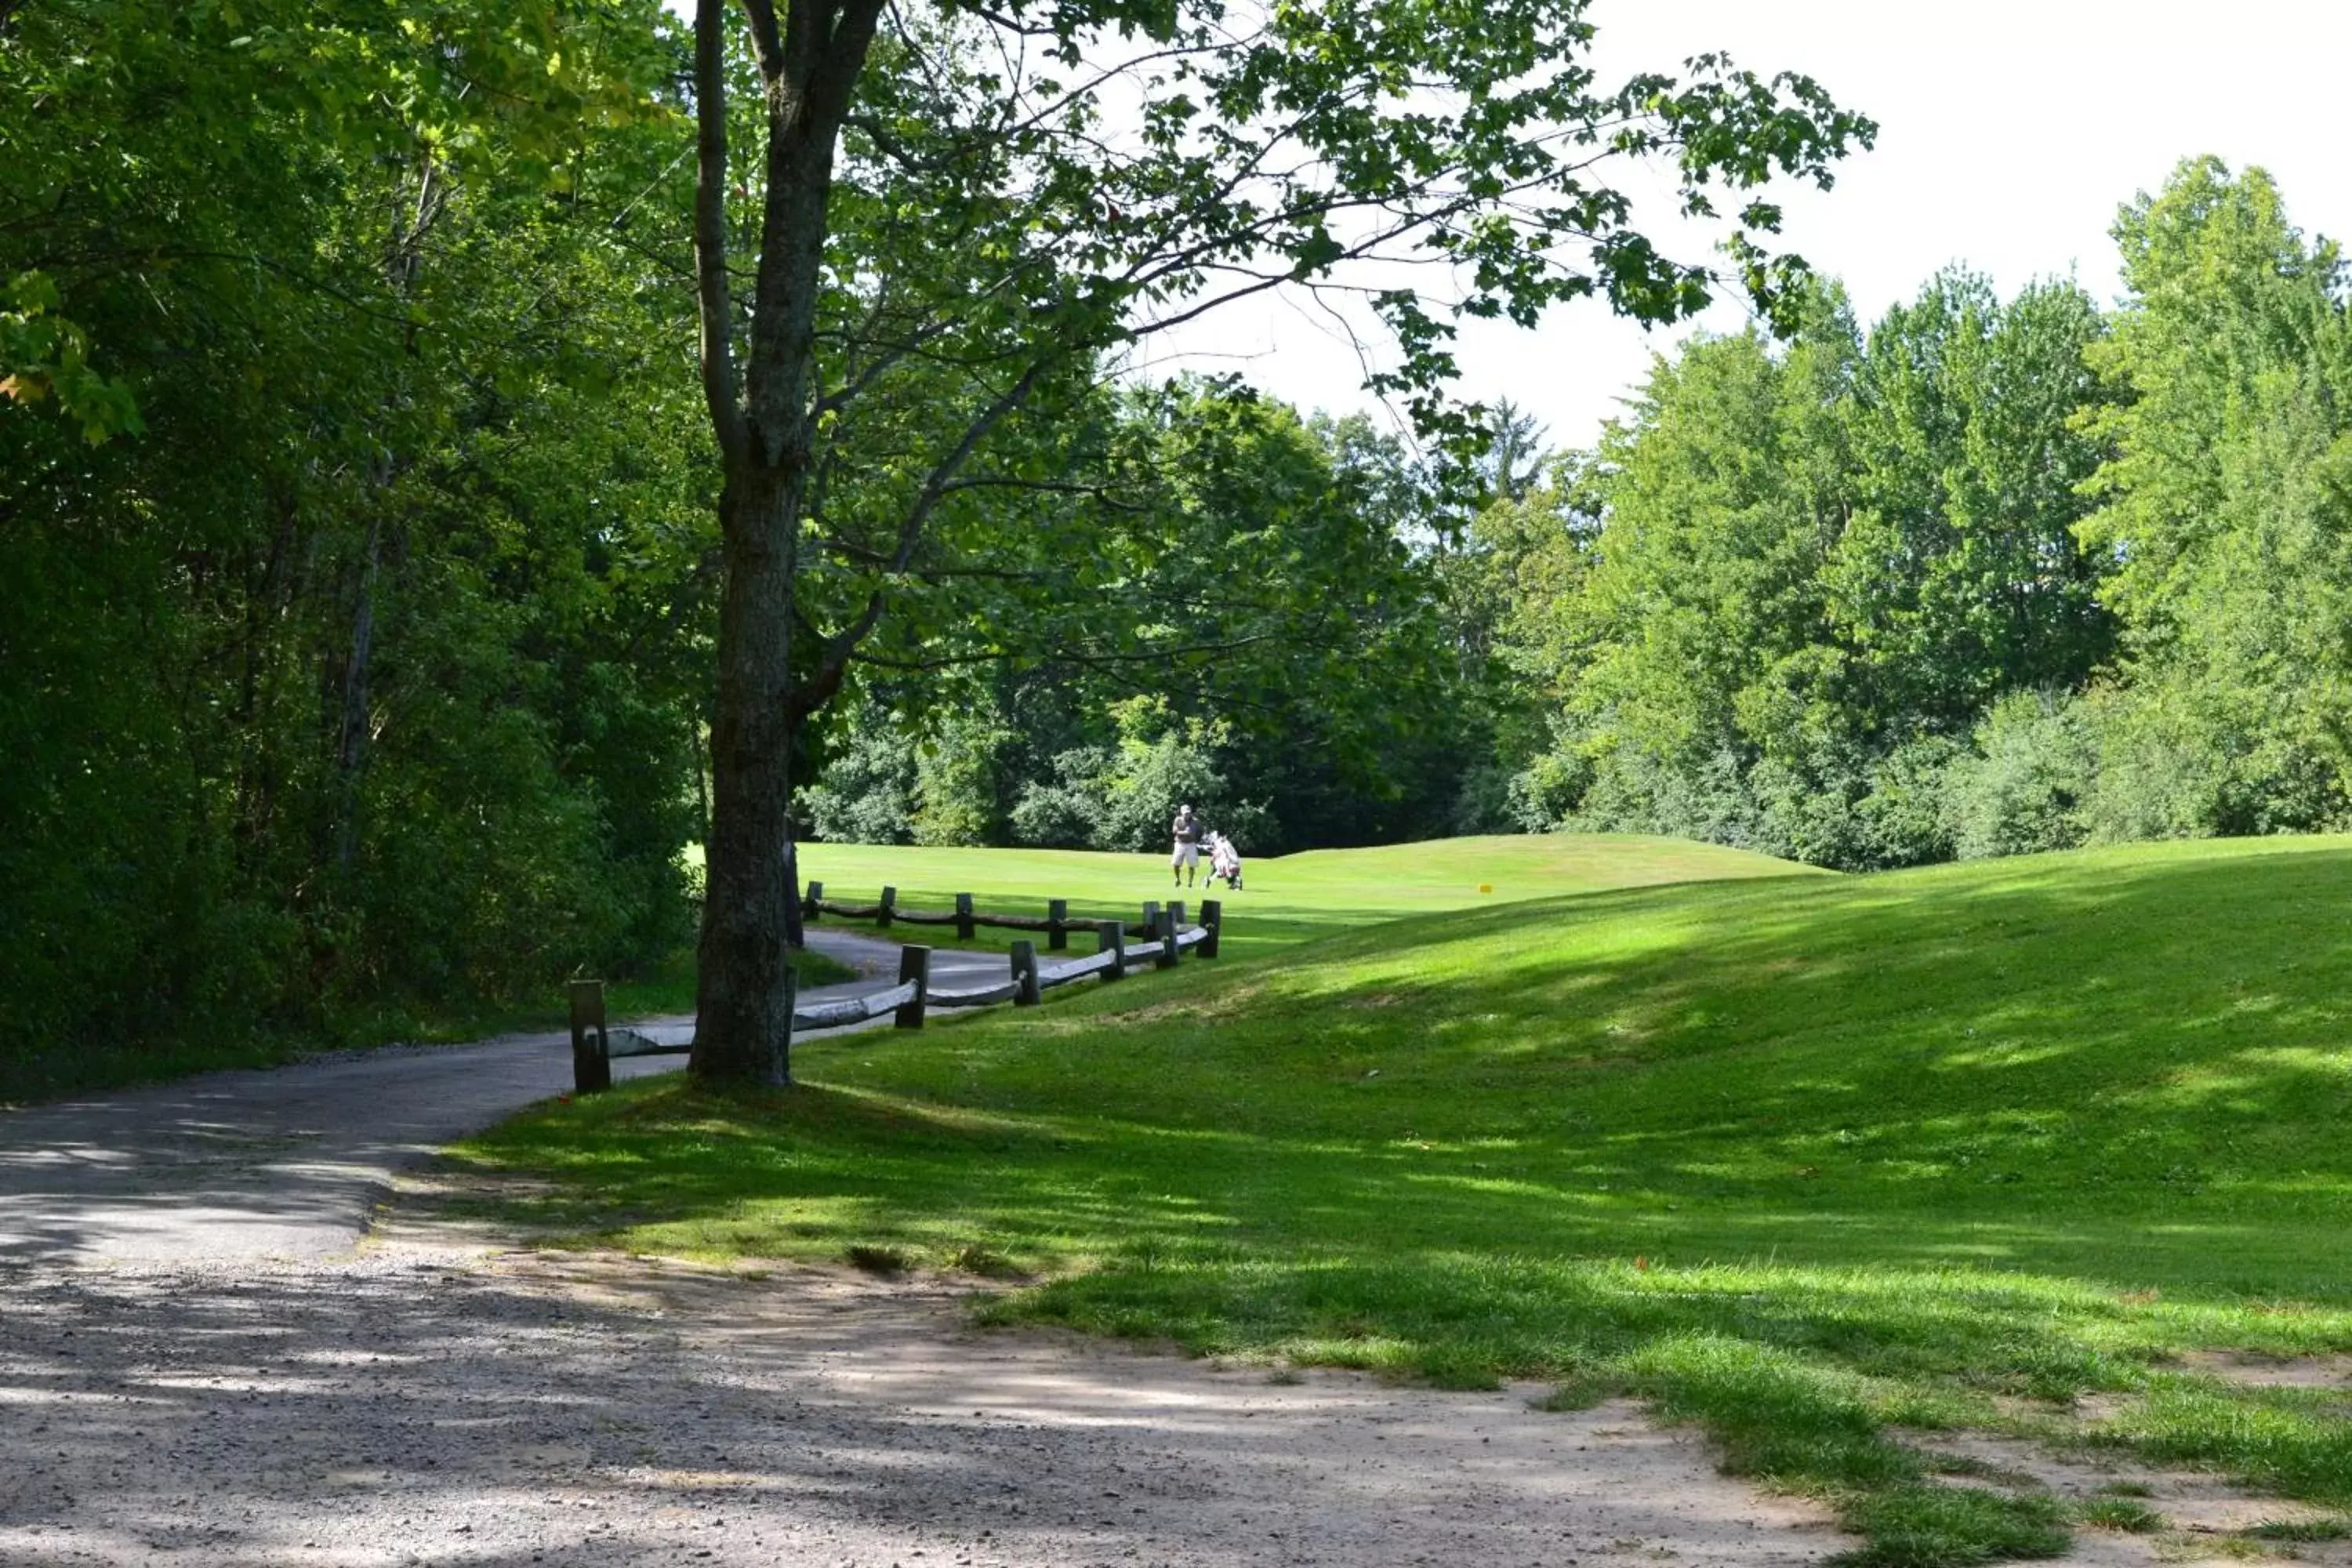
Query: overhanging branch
[{"x": 711, "y": 288}]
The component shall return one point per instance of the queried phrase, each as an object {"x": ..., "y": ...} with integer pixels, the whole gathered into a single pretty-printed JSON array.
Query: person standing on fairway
[{"x": 1186, "y": 861}]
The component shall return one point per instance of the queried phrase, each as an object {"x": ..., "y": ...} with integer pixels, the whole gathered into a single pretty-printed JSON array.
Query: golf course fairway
[
  {"x": 1811, "y": 1162},
  {"x": 1293, "y": 898}
]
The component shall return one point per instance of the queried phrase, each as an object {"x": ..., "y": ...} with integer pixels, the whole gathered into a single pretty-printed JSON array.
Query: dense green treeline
[
  {"x": 1291, "y": 668},
  {"x": 346, "y": 678},
  {"x": 359, "y": 550},
  {"x": 1984, "y": 577},
  {"x": 359, "y": 556},
  {"x": 1992, "y": 577}
]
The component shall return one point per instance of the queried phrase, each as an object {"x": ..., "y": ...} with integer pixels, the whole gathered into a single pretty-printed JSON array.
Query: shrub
[
  {"x": 2022, "y": 787},
  {"x": 961, "y": 779},
  {"x": 865, "y": 794},
  {"x": 1063, "y": 814}
]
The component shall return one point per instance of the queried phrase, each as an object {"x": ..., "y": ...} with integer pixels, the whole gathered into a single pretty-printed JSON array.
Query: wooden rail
[
  {"x": 596, "y": 1046},
  {"x": 885, "y": 912}
]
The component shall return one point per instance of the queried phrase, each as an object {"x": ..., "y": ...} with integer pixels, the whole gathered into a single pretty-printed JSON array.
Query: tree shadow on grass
[
  {"x": 410, "y": 1407},
  {"x": 2021, "y": 1131},
  {"x": 2147, "y": 1053}
]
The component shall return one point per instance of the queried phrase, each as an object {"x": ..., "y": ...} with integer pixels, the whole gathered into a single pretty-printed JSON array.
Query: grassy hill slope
[
  {"x": 1796, "y": 1158},
  {"x": 1290, "y": 897}
]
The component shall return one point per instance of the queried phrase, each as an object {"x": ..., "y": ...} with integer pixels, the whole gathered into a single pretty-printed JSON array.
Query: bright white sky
[{"x": 2010, "y": 132}]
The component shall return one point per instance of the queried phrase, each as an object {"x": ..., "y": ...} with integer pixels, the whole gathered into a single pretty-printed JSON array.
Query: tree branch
[
  {"x": 841, "y": 647},
  {"x": 943, "y": 472},
  {"x": 767, "y": 45},
  {"x": 718, "y": 386},
  {"x": 845, "y": 47},
  {"x": 1068, "y": 656}
]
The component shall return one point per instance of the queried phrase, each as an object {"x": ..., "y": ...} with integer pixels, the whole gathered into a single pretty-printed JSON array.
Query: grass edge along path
[{"x": 1799, "y": 1162}]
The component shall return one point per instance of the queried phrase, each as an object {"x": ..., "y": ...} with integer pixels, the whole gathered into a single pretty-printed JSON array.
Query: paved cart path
[{"x": 289, "y": 1163}]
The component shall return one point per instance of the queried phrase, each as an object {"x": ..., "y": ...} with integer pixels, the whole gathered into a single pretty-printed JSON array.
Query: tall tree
[
  {"x": 1958, "y": 576},
  {"x": 1820, "y": 567},
  {"x": 1515, "y": 452},
  {"x": 2227, "y": 513},
  {"x": 959, "y": 210},
  {"x": 340, "y": 650}
]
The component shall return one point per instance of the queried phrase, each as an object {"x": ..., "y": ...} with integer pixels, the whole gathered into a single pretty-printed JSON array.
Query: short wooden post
[
  {"x": 890, "y": 902},
  {"x": 1176, "y": 915},
  {"x": 592, "y": 1069},
  {"x": 1057, "y": 924},
  {"x": 1151, "y": 917},
  {"x": 915, "y": 964},
  {"x": 1025, "y": 989},
  {"x": 813, "y": 906},
  {"x": 780, "y": 1050},
  {"x": 963, "y": 917},
  {"x": 1212, "y": 917},
  {"x": 1110, "y": 937},
  {"x": 1166, "y": 957}
]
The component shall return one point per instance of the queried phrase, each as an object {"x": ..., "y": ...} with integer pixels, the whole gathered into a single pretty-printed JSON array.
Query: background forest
[
  {"x": 1986, "y": 577},
  {"x": 357, "y": 549}
]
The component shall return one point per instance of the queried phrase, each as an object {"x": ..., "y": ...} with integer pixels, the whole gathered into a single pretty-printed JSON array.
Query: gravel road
[
  {"x": 226, "y": 1342},
  {"x": 289, "y": 1163}
]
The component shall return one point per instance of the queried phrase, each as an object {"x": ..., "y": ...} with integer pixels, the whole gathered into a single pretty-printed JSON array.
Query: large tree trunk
[
  {"x": 764, "y": 426},
  {"x": 743, "y": 1018}
]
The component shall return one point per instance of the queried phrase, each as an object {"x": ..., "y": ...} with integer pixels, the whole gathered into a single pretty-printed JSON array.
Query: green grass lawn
[
  {"x": 1290, "y": 899},
  {"x": 1796, "y": 1159}
]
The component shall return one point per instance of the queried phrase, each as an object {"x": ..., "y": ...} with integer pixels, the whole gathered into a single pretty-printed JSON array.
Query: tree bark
[
  {"x": 764, "y": 429},
  {"x": 741, "y": 1024}
]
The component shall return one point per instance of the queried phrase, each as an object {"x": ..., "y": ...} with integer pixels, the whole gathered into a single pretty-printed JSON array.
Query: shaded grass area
[
  {"x": 56, "y": 1070},
  {"x": 1282, "y": 902},
  {"x": 1797, "y": 1161}
]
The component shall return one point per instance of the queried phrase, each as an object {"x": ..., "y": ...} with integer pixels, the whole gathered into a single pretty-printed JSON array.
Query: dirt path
[{"x": 425, "y": 1404}]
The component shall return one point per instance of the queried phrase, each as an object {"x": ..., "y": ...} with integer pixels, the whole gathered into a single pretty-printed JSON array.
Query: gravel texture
[
  {"x": 419, "y": 1403},
  {"x": 224, "y": 1342}
]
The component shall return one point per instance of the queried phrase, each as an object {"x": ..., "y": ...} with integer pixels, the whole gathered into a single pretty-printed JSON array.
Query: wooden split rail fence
[
  {"x": 594, "y": 1044},
  {"x": 1055, "y": 923}
]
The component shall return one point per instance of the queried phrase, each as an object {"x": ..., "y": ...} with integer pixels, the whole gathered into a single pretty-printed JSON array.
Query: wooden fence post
[
  {"x": 1110, "y": 937},
  {"x": 889, "y": 900},
  {"x": 915, "y": 964},
  {"x": 963, "y": 917},
  {"x": 1212, "y": 917},
  {"x": 1151, "y": 917},
  {"x": 592, "y": 1069},
  {"x": 779, "y": 1052},
  {"x": 1166, "y": 957},
  {"x": 1025, "y": 989},
  {"x": 1176, "y": 916},
  {"x": 1057, "y": 924},
  {"x": 809, "y": 907}
]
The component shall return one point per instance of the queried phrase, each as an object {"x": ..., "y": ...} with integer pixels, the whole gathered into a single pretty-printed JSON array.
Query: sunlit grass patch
[
  {"x": 1804, "y": 1161},
  {"x": 1285, "y": 899}
]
